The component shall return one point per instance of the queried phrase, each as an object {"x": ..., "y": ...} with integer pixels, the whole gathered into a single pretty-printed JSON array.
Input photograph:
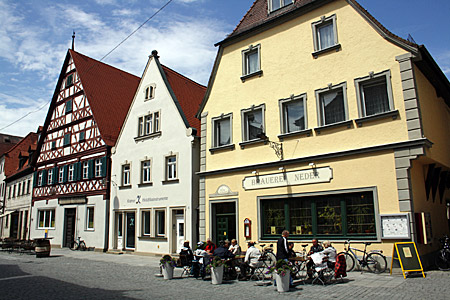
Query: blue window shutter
[
  {"x": 65, "y": 173},
  {"x": 104, "y": 166},
  {"x": 44, "y": 177},
  {"x": 91, "y": 169},
  {"x": 55, "y": 175},
  {"x": 35, "y": 178}
]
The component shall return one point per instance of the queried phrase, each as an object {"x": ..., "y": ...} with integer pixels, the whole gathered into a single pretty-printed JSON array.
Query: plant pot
[
  {"x": 167, "y": 271},
  {"x": 282, "y": 282},
  {"x": 217, "y": 275}
]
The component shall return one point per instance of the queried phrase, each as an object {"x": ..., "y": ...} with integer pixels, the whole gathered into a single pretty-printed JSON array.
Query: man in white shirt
[
  {"x": 251, "y": 260},
  {"x": 235, "y": 248}
]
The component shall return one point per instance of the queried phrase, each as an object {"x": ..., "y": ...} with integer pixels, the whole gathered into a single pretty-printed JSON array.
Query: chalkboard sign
[{"x": 406, "y": 253}]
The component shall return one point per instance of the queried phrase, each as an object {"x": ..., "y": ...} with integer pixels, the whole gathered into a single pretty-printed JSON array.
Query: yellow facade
[{"x": 368, "y": 157}]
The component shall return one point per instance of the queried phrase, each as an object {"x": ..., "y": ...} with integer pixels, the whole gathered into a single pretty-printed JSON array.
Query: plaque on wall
[{"x": 395, "y": 226}]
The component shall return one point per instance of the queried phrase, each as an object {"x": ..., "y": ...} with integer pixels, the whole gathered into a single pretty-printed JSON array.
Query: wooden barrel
[{"x": 42, "y": 248}]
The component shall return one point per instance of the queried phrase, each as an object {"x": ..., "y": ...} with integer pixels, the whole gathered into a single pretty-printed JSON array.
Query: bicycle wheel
[
  {"x": 270, "y": 259},
  {"x": 442, "y": 260},
  {"x": 376, "y": 263},
  {"x": 73, "y": 246},
  {"x": 349, "y": 261},
  {"x": 82, "y": 246}
]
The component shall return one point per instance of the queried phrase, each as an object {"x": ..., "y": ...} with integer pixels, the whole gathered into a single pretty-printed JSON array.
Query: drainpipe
[{"x": 107, "y": 199}]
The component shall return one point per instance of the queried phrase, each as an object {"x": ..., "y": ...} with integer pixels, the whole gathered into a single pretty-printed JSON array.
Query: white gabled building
[{"x": 154, "y": 190}]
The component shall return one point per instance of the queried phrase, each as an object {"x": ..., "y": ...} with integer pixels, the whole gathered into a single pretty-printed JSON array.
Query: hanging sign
[{"x": 315, "y": 175}]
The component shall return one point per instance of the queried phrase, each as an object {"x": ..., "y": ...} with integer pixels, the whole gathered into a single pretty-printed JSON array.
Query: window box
[{"x": 390, "y": 114}]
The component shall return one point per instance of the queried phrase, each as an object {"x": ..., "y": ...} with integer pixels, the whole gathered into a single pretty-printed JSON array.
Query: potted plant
[
  {"x": 216, "y": 268},
  {"x": 167, "y": 264},
  {"x": 282, "y": 270}
]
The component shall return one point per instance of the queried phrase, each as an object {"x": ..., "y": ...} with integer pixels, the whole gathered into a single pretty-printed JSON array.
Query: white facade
[
  {"x": 17, "y": 206},
  {"x": 154, "y": 214}
]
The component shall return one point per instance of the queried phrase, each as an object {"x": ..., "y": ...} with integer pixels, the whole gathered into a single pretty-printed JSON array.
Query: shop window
[
  {"x": 146, "y": 223},
  {"x": 46, "y": 219},
  {"x": 293, "y": 114},
  {"x": 374, "y": 94},
  {"x": 90, "y": 218},
  {"x": 339, "y": 216},
  {"x": 332, "y": 104},
  {"x": 222, "y": 131},
  {"x": 160, "y": 222},
  {"x": 252, "y": 123}
]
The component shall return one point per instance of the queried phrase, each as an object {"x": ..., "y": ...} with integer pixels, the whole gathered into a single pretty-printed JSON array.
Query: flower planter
[
  {"x": 217, "y": 275},
  {"x": 167, "y": 271},
  {"x": 282, "y": 282}
]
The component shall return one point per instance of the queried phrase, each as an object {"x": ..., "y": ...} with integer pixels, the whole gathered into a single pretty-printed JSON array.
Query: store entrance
[{"x": 224, "y": 221}]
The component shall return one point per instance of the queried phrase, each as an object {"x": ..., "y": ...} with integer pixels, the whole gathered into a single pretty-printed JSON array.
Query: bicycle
[
  {"x": 267, "y": 260},
  {"x": 442, "y": 259},
  {"x": 78, "y": 244},
  {"x": 300, "y": 270},
  {"x": 374, "y": 260}
]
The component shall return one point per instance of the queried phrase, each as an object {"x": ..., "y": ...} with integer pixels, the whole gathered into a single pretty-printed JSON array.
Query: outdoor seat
[
  {"x": 185, "y": 262},
  {"x": 323, "y": 272}
]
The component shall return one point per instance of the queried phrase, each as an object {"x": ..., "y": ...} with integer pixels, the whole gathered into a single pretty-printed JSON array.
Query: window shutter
[
  {"x": 104, "y": 166},
  {"x": 55, "y": 175},
  {"x": 44, "y": 177},
  {"x": 65, "y": 173},
  {"x": 91, "y": 169},
  {"x": 78, "y": 170},
  {"x": 35, "y": 178}
]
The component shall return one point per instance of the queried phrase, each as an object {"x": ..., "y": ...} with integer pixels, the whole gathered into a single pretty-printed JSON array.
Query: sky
[{"x": 35, "y": 36}]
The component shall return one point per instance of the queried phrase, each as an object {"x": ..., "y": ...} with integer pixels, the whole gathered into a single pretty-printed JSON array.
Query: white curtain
[
  {"x": 326, "y": 36},
  {"x": 252, "y": 61},
  {"x": 223, "y": 132},
  {"x": 375, "y": 98}
]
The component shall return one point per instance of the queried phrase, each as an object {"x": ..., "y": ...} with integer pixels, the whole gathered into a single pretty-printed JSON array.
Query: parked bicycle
[
  {"x": 443, "y": 256},
  {"x": 373, "y": 260},
  {"x": 78, "y": 244},
  {"x": 267, "y": 260},
  {"x": 300, "y": 269}
]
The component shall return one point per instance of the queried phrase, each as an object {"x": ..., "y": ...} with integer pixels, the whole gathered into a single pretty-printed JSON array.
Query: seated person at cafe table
[
  {"x": 223, "y": 251},
  {"x": 235, "y": 248},
  {"x": 331, "y": 253},
  {"x": 291, "y": 251},
  {"x": 200, "y": 261},
  {"x": 186, "y": 250},
  {"x": 251, "y": 260},
  {"x": 315, "y": 248},
  {"x": 210, "y": 246}
]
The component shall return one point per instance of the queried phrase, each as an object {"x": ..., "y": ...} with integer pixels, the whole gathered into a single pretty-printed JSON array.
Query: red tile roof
[
  {"x": 258, "y": 14},
  {"x": 12, "y": 156},
  {"x": 188, "y": 93},
  {"x": 7, "y": 142},
  {"x": 109, "y": 91}
]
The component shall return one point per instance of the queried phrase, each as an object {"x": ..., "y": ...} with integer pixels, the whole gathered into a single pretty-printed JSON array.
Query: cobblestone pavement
[{"x": 91, "y": 275}]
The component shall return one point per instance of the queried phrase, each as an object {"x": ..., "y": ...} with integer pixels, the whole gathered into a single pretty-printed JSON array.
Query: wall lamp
[{"x": 277, "y": 147}]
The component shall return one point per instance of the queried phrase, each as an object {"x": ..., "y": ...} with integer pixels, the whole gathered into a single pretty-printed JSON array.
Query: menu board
[{"x": 395, "y": 226}]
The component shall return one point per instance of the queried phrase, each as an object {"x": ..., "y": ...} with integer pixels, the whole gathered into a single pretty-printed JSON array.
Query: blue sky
[{"x": 35, "y": 36}]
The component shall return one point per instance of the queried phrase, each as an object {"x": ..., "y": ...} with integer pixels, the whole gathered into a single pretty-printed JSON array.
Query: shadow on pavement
[{"x": 7, "y": 271}]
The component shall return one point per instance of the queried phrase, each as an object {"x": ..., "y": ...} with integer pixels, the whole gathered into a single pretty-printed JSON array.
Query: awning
[{"x": 7, "y": 213}]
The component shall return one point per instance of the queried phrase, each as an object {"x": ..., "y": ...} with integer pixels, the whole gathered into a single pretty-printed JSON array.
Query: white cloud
[
  {"x": 124, "y": 12},
  {"x": 106, "y": 2}
]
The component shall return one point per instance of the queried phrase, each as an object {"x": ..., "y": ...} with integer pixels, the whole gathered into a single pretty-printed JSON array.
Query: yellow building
[{"x": 319, "y": 120}]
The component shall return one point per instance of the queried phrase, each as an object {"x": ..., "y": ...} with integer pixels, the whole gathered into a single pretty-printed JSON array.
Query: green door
[
  {"x": 222, "y": 229},
  {"x": 224, "y": 221}
]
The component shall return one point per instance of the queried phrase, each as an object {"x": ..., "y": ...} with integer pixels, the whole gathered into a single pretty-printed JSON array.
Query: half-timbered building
[
  {"x": 154, "y": 186},
  {"x": 71, "y": 182}
]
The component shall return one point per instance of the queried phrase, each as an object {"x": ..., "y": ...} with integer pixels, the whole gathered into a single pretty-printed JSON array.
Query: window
[
  {"x": 19, "y": 188},
  {"x": 69, "y": 80},
  {"x": 61, "y": 175},
  {"x": 161, "y": 222},
  {"x": 54, "y": 145},
  {"x": 325, "y": 33},
  {"x": 50, "y": 177},
  {"x": 125, "y": 174},
  {"x": 90, "y": 218},
  {"x": 9, "y": 192},
  {"x": 69, "y": 106},
  {"x": 146, "y": 171},
  {"x": 251, "y": 60},
  {"x": 374, "y": 94},
  {"x": 23, "y": 188},
  {"x": 149, "y": 92},
  {"x": 67, "y": 139},
  {"x": 46, "y": 219},
  {"x": 71, "y": 172},
  {"x": 28, "y": 186},
  {"x": 332, "y": 105},
  {"x": 277, "y": 4},
  {"x": 222, "y": 131},
  {"x": 293, "y": 114},
  {"x": 98, "y": 167},
  {"x": 252, "y": 123},
  {"x": 82, "y": 136},
  {"x": 148, "y": 124},
  {"x": 40, "y": 179},
  {"x": 85, "y": 170},
  {"x": 171, "y": 167},
  {"x": 347, "y": 215},
  {"x": 146, "y": 223}
]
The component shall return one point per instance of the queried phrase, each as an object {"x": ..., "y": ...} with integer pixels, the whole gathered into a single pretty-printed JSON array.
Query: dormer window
[
  {"x": 277, "y": 4},
  {"x": 149, "y": 92}
]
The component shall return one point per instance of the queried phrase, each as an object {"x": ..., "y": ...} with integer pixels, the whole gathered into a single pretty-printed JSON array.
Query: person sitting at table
[
  {"x": 331, "y": 253},
  {"x": 251, "y": 260},
  {"x": 223, "y": 251},
  {"x": 187, "y": 251},
  {"x": 291, "y": 251},
  {"x": 235, "y": 248},
  {"x": 315, "y": 248},
  {"x": 210, "y": 246},
  {"x": 200, "y": 256}
]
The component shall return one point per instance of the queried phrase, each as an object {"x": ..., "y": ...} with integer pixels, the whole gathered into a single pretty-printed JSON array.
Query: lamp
[{"x": 277, "y": 147}]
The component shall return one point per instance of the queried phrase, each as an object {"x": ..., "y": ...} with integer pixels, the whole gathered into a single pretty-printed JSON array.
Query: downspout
[{"x": 107, "y": 197}]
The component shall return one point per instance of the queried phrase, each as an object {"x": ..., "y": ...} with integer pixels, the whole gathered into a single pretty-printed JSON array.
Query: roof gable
[{"x": 12, "y": 157}]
